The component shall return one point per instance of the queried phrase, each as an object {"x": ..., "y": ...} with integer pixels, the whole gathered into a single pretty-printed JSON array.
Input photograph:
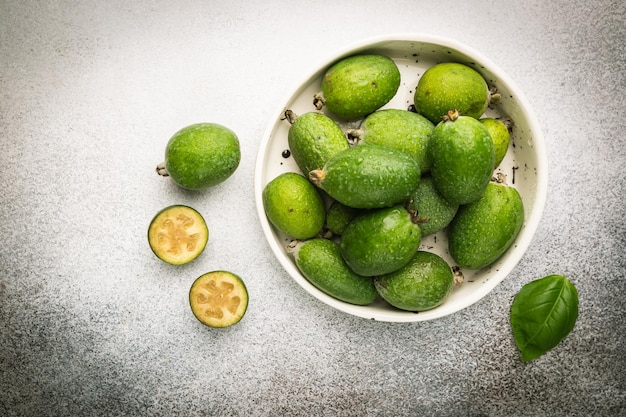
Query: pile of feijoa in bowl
[{"x": 365, "y": 197}]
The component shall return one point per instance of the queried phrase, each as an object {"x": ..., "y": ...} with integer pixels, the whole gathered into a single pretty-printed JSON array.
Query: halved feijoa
[
  {"x": 218, "y": 298},
  {"x": 178, "y": 234}
]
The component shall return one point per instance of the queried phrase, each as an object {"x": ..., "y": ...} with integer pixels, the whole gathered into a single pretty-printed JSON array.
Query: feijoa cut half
[
  {"x": 218, "y": 298},
  {"x": 178, "y": 234}
]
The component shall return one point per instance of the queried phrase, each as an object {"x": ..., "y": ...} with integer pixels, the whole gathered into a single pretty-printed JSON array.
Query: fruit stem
[
  {"x": 494, "y": 97},
  {"x": 451, "y": 116},
  {"x": 354, "y": 136},
  {"x": 413, "y": 214},
  {"x": 290, "y": 116},
  {"x": 161, "y": 170},
  {"x": 318, "y": 101},
  {"x": 499, "y": 178},
  {"x": 317, "y": 176},
  {"x": 458, "y": 275},
  {"x": 292, "y": 246}
]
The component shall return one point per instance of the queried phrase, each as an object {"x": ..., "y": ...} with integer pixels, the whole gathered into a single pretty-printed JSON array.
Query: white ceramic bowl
[{"x": 525, "y": 164}]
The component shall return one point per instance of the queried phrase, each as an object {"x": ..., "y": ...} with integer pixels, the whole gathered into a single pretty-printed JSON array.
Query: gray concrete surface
[{"x": 92, "y": 324}]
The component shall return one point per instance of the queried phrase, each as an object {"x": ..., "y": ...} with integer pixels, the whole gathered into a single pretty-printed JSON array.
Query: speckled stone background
[{"x": 92, "y": 324}]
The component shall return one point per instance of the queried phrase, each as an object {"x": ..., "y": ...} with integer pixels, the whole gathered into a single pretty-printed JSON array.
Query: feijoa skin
[
  {"x": 359, "y": 85},
  {"x": 338, "y": 216},
  {"x": 294, "y": 206},
  {"x": 434, "y": 213},
  {"x": 201, "y": 155},
  {"x": 313, "y": 138},
  {"x": 367, "y": 177},
  {"x": 320, "y": 262},
  {"x": 404, "y": 130},
  {"x": 380, "y": 241},
  {"x": 501, "y": 136},
  {"x": 462, "y": 156},
  {"x": 422, "y": 284},
  {"x": 451, "y": 86},
  {"x": 483, "y": 230}
]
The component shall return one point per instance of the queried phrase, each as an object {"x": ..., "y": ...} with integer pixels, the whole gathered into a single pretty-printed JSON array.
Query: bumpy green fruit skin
[
  {"x": 202, "y": 155},
  {"x": 294, "y": 206},
  {"x": 434, "y": 213},
  {"x": 500, "y": 136},
  {"x": 406, "y": 131},
  {"x": 482, "y": 231},
  {"x": 368, "y": 176},
  {"x": 380, "y": 241},
  {"x": 451, "y": 86},
  {"x": 313, "y": 138},
  {"x": 320, "y": 261},
  {"x": 338, "y": 216},
  {"x": 422, "y": 284},
  {"x": 360, "y": 84},
  {"x": 463, "y": 156}
]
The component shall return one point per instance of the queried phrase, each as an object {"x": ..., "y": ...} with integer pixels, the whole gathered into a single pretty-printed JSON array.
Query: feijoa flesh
[
  {"x": 370, "y": 176},
  {"x": 201, "y": 155},
  {"x": 462, "y": 156},
  {"x": 320, "y": 261},
  {"x": 218, "y": 298},
  {"x": 483, "y": 230},
  {"x": 178, "y": 234},
  {"x": 422, "y": 284},
  {"x": 359, "y": 85},
  {"x": 380, "y": 241}
]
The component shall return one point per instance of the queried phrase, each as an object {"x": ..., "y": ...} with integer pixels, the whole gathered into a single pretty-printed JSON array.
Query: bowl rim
[{"x": 522, "y": 241}]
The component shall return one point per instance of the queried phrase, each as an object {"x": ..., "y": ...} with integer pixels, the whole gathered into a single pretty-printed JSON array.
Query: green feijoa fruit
[
  {"x": 462, "y": 155},
  {"x": 422, "y": 284},
  {"x": 451, "y": 86},
  {"x": 338, "y": 216},
  {"x": 294, "y": 206},
  {"x": 320, "y": 261},
  {"x": 359, "y": 85},
  {"x": 313, "y": 138},
  {"x": 483, "y": 230},
  {"x": 404, "y": 130},
  {"x": 370, "y": 176},
  {"x": 500, "y": 135},
  {"x": 542, "y": 314},
  {"x": 201, "y": 155},
  {"x": 380, "y": 241},
  {"x": 434, "y": 213}
]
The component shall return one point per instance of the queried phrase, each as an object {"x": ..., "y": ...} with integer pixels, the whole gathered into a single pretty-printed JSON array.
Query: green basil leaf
[{"x": 543, "y": 313}]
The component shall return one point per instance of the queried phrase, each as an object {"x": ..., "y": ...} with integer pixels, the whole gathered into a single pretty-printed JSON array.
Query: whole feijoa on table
[
  {"x": 358, "y": 85},
  {"x": 451, "y": 86},
  {"x": 422, "y": 284},
  {"x": 321, "y": 263},
  {"x": 462, "y": 155},
  {"x": 367, "y": 177},
  {"x": 403, "y": 130},
  {"x": 483, "y": 230},
  {"x": 313, "y": 138},
  {"x": 294, "y": 205},
  {"x": 201, "y": 155}
]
